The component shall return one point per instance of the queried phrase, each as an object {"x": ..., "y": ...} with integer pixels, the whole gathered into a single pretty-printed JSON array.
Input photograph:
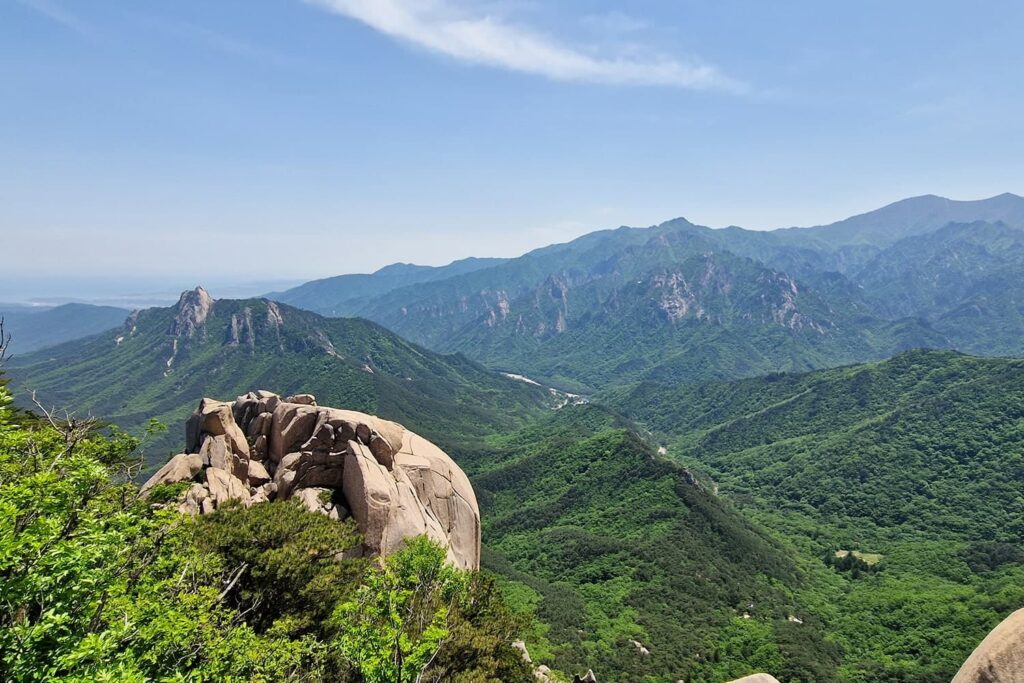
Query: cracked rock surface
[{"x": 393, "y": 482}]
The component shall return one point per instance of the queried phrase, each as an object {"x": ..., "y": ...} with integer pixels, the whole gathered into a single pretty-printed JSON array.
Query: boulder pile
[{"x": 393, "y": 482}]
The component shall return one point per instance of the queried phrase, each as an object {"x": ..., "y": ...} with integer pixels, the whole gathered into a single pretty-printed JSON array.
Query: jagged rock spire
[{"x": 193, "y": 307}]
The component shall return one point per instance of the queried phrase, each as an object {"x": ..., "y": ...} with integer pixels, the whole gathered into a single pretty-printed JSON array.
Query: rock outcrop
[
  {"x": 193, "y": 308},
  {"x": 757, "y": 678},
  {"x": 393, "y": 482},
  {"x": 1000, "y": 657}
]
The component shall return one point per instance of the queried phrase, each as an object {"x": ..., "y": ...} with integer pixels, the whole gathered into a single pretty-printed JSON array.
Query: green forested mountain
[
  {"x": 33, "y": 328},
  {"x": 681, "y": 301},
  {"x": 165, "y": 359},
  {"x": 696, "y": 318},
  {"x": 608, "y": 543},
  {"x": 918, "y": 460},
  {"x": 966, "y": 279}
]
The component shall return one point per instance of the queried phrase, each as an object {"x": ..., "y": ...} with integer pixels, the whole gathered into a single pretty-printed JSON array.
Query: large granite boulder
[
  {"x": 757, "y": 678},
  {"x": 182, "y": 467},
  {"x": 1000, "y": 657},
  {"x": 393, "y": 482},
  {"x": 386, "y": 504}
]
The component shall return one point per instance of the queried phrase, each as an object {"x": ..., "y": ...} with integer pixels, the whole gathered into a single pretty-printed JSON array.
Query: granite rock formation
[
  {"x": 1000, "y": 657},
  {"x": 393, "y": 482}
]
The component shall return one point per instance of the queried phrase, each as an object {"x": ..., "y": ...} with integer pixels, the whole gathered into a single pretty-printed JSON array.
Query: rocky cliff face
[
  {"x": 394, "y": 483},
  {"x": 1000, "y": 657}
]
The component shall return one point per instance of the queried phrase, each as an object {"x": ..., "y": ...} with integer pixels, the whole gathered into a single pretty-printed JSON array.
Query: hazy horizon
[{"x": 139, "y": 291}]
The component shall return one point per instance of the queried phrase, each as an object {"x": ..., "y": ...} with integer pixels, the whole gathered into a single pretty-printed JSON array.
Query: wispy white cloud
[
  {"x": 58, "y": 14},
  {"x": 480, "y": 38}
]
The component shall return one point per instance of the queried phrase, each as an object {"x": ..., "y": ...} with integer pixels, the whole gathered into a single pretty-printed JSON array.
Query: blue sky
[{"x": 202, "y": 140}]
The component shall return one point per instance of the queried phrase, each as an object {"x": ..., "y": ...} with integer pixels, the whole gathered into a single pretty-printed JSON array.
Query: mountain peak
[
  {"x": 918, "y": 216},
  {"x": 191, "y": 311}
]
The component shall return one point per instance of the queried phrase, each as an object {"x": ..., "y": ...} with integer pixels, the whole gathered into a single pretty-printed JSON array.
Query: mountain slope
[
  {"x": 666, "y": 302},
  {"x": 165, "y": 359},
  {"x": 435, "y": 313},
  {"x": 608, "y": 544},
  {"x": 696, "y": 316},
  {"x": 919, "y": 459},
  {"x": 966, "y": 279},
  {"x": 33, "y": 328}
]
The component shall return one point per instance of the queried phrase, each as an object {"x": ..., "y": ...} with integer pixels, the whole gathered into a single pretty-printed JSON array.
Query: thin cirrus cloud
[
  {"x": 59, "y": 15},
  {"x": 438, "y": 26}
]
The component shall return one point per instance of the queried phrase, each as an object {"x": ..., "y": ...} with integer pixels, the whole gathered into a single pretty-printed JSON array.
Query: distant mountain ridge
[
  {"x": 342, "y": 295},
  {"x": 916, "y": 216},
  {"x": 620, "y": 305},
  {"x": 163, "y": 359},
  {"x": 33, "y": 327}
]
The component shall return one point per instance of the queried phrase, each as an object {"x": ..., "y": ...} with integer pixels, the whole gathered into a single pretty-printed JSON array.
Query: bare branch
[
  {"x": 71, "y": 428},
  {"x": 234, "y": 579}
]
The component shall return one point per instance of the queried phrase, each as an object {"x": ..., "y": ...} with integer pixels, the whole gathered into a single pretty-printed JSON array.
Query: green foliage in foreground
[
  {"x": 398, "y": 627},
  {"x": 919, "y": 459},
  {"x": 98, "y": 585}
]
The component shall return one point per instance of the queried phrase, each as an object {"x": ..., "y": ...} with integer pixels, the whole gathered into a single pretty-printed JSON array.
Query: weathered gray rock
[
  {"x": 757, "y": 678},
  {"x": 1000, "y": 657},
  {"x": 182, "y": 467},
  {"x": 258, "y": 475},
  {"x": 385, "y": 505},
  {"x": 260, "y": 449},
  {"x": 261, "y": 425},
  {"x": 445, "y": 490},
  {"x": 223, "y": 487},
  {"x": 291, "y": 427},
  {"x": 217, "y": 419},
  {"x": 216, "y": 452},
  {"x": 640, "y": 649},
  {"x": 245, "y": 409},
  {"x": 307, "y": 469},
  {"x": 194, "y": 498},
  {"x": 193, "y": 308},
  {"x": 320, "y": 500},
  {"x": 588, "y": 677}
]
